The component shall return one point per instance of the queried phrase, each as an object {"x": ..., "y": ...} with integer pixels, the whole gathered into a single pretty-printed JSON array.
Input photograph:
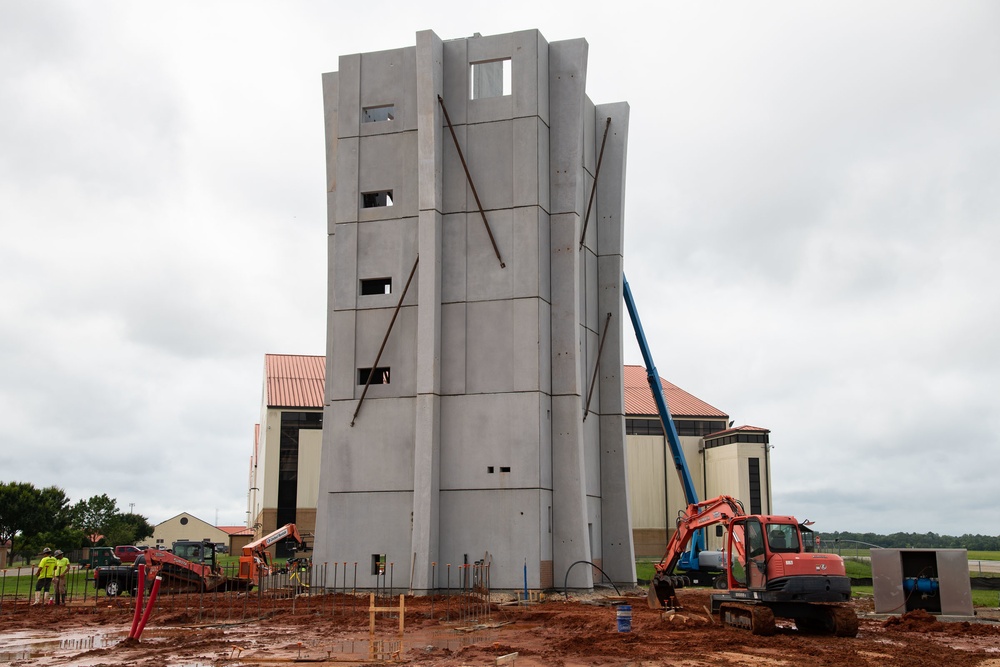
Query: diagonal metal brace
[
  {"x": 597, "y": 172},
  {"x": 468, "y": 177},
  {"x": 597, "y": 367},
  {"x": 378, "y": 356}
]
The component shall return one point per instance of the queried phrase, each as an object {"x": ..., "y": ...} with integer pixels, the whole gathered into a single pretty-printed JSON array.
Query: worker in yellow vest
[
  {"x": 46, "y": 570},
  {"x": 59, "y": 582}
]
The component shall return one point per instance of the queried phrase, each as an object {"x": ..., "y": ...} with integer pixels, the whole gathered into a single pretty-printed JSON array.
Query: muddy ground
[{"x": 582, "y": 631}]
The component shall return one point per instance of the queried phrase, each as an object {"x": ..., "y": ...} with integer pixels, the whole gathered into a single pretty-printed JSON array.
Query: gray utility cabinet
[{"x": 935, "y": 580}]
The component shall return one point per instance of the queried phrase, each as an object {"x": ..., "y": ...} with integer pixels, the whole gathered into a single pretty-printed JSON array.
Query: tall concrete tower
[{"x": 474, "y": 403}]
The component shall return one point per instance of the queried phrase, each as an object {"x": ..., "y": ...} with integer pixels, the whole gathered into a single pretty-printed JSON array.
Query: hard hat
[
  {"x": 46, "y": 550},
  {"x": 59, "y": 552}
]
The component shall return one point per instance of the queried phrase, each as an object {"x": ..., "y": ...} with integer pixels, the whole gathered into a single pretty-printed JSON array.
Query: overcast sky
[{"x": 813, "y": 194}]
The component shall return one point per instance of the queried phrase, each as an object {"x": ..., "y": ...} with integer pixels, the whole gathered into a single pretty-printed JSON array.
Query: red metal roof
[
  {"x": 639, "y": 398},
  {"x": 297, "y": 381},
  {"x": 236, "y": 530},
  {"x": 294, "y": 380}
]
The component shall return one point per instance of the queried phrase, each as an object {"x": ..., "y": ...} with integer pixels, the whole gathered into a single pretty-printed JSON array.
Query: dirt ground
[{"x": 580, "y": 632}]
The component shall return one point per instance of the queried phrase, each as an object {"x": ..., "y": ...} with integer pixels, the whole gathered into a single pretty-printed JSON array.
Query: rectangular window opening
[
  {"x": 379, "y": 114},
  {"x": 489, "y": 470},
  {"x": 504, "y": 468},
  {"x": 376, "y": 199},
  {"x": 379, "y": 376},
  {"x": 371, "y": 286},
  {"x": 378, "y": 564},
  {"x": 753, "y": 470},
  {"x": 491, "y": 78}
]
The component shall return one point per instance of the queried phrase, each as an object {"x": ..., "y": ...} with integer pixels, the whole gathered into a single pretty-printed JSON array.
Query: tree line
[
  {"x": 32, "y": 518},
  {"x": 918, "y": 540}
]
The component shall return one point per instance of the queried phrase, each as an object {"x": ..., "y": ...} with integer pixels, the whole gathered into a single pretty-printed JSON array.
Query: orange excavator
[
  {"x": 768, "y": 571},
  {"x": 256, "y": 561}
]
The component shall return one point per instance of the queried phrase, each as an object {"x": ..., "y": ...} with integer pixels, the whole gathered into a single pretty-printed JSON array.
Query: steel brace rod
[
  {"x": 388, "y": 331},
  {"x": 468, "y": 177},
  {"x": 597, "y": 367},
  {"x": 597, "y": 173}
]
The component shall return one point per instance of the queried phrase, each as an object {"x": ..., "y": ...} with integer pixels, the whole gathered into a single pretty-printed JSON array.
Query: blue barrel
[{"x": 624, "y": 618}]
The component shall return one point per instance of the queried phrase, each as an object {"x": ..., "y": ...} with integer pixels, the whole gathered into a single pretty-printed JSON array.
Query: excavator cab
[{"x": 202, "y": 553}]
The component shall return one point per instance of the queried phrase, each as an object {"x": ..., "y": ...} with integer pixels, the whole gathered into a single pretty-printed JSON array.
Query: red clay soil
[{"x": 574, "y": 633}]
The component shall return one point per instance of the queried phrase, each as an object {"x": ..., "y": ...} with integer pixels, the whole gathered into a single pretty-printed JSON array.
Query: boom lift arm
[{"x": 687, "y": 561}]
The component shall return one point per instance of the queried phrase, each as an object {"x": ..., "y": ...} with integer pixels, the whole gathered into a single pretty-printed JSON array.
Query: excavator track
[
  {"x": 829, "y": 620},
  {"x": 845, "y": 622},
  {"x": 756, "y": 618}
]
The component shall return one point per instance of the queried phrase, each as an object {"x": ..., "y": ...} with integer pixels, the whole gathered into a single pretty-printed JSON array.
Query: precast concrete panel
[
  {"x": 527, "y": 159},
  {"x": 454, "y": 260},
  {"x": 594, "y": 522},
  {"x": 456, "y": 79},
  {"x": 610, "y": 219},
  {"x": 567, "y": 80},
  {"x": 385, "y": 249},
  {"x": 482, "y": 435},
  {"x": 453, "y": 349},
  {"x": 523, "y": 259},
  {"x": 349, "y": 104},
  {"x": 570, "y": 538},
  {"x": 344, "y": 267},
  {"x": 387, "y": 162},
  {"x": 355, "y": 542},
  {"x": 591, "y": 429},
  {"x": 341, "y": 378},
  {"x": 425, "y": 535},
  {"x": 618, "y": 553},
  {"x": 564, "y": 277},
  {"x": 593, "y": 316},
  {"x": 398, "y": 353},
  {"x": 498, "y": 524},
  {"x": 390, "y": 77},
  {"x": 542, "y": 69},
  {"x": 454, "y": 181},
  {"x": 331, "y": 93},
  {"x": 485, "y": 278},
  {"x": 376, "y": 454},
  {"x": 502, "y": 346},
  {"x": 490, "y": 156},
  {"x": 348, "y": 195},
  {"x": 430, "y": 120},
  {"x": 525, "y": 89}
]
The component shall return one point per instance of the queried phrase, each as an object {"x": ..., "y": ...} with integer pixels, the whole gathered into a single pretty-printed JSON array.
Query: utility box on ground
[{"x": 935, "y": 580}]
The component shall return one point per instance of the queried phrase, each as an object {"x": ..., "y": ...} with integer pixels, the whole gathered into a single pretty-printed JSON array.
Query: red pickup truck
[{"x": 127, "y": 553}]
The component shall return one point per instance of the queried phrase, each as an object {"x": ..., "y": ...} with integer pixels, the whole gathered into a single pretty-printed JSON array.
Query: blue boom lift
[{"x": 698, "y": 565}]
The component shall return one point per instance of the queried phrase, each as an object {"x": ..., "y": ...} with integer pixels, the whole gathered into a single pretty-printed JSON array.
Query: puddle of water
[{"x": 26, "y": 645}]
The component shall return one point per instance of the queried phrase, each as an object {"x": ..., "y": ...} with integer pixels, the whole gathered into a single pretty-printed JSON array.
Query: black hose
[{"x": 566, "y": 578}]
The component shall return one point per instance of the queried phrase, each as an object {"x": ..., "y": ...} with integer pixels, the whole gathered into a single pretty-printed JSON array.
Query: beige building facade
[
  {"x": 285, "y": 463},
  {"x": 723, "y": 460},
  {"x": 184, "y": 526}
]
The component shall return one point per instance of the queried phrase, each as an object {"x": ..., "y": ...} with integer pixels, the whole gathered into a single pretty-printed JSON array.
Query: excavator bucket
[{"x": 651, "y": 599}]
